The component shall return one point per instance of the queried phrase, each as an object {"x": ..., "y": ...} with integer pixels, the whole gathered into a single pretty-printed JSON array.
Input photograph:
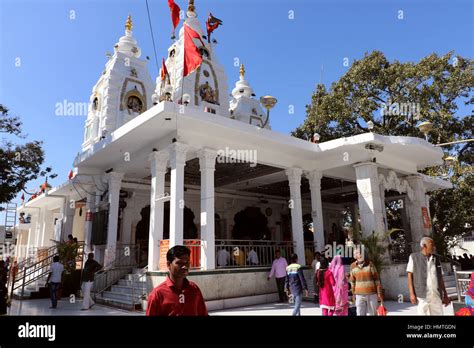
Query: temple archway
[{"x": 250, "y": 224}]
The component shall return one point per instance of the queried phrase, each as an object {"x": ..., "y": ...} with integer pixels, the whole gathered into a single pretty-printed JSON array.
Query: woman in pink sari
[{"x": 341, "y": 287}]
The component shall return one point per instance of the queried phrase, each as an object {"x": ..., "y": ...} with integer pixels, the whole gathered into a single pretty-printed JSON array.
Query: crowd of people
[
  {"x": 359, "y": 291},
  {"x": 340, "y": 291},
  {"x": 57, "y": 279}
]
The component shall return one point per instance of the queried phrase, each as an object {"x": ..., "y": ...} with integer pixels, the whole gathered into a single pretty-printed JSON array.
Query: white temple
[{"x": 187, "y": 162}]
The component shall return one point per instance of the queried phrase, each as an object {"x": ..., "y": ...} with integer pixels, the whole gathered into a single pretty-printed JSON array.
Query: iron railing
[
  {"x": 463, "y": 279},
  {"x": 139, "y": 289},
  {"x": 30, "y": 273},
  {"x": 128, "y": 257},
  {"x": 231, "y": 253}
]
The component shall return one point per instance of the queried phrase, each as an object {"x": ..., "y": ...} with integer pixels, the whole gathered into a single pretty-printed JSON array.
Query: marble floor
[{"x": 65, "y": 307}]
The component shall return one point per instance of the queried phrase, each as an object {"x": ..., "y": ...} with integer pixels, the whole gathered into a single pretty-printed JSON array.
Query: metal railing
[
  {"x": 139, "y": 287},
  {"x": 128, "y": 258},
  {"x": 231, "y": 253},
  {"x": 30, "y": 273},
  {"x": 463, "y": 279},
  {"x": 195, "y": 245}
]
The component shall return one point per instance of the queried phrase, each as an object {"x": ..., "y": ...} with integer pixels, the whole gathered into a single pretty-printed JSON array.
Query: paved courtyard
[{"x": 41, "y": 307}]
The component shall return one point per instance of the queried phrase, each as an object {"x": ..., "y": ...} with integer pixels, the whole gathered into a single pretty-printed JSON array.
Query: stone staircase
[
  {"x": 34, "y": 290},
  {"x": 128, "y": 293}
]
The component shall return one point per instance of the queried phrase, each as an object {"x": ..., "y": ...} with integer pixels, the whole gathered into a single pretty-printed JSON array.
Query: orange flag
[{"x": 192, "y": 56}]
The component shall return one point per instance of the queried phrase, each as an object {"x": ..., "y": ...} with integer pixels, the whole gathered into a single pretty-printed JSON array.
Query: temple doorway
[{"x": 250, "y": 224}]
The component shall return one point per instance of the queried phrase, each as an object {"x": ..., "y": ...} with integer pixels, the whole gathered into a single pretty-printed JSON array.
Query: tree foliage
[
  {"x": 396, "y": 96},
  {"x": 19, "y": 163}
]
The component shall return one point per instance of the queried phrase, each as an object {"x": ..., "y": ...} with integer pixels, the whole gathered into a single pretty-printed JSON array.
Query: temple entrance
[
  {"x": 250, "y": 224},
  {"x": 397, "y": 222},
  {"x": 142, "y": 232}
]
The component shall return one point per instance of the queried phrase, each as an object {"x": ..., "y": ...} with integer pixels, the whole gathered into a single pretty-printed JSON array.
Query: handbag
[{"x": 381, "y": 311}]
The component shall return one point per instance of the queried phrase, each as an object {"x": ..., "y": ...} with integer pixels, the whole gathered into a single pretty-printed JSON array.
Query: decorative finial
[
  {"x": 242, "y": 70},
  {"x": 191, "y": 7},
  {"x": 128, "y": 23}
]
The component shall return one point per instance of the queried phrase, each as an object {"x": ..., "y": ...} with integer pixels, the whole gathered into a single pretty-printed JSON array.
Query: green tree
[
  {"x": 396, "y": 96},
  {"x": 19, "y": 163}
]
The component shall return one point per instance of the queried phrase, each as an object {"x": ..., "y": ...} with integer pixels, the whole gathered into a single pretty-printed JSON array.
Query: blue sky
[{"x": 62, "y": 58}]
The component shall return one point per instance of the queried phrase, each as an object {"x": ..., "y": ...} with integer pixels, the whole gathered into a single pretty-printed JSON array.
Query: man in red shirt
[{"x": 177, "y": 296}]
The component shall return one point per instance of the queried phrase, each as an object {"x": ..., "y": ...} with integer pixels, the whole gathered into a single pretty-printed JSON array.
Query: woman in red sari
[
  {"x": 326, "y": 283},
  {"x": 340, "y": 288}
]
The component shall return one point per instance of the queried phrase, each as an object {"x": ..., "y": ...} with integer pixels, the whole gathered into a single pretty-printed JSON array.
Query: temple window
[
  {"x": 204, "y": 52},
  {"x": 134, "y": 104}
]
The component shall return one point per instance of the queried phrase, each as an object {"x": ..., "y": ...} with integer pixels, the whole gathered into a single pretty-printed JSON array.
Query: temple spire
[
  {"x": 191, "y": 6},
  {"x": 190, "y": 13},
  {"x": 242, "y": 71},
  {"x": 129, "y": 24}
]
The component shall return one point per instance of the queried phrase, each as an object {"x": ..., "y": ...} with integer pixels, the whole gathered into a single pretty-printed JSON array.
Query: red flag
[
  {"x": 164, "y": 71},
  {"x": 71, "y": 174},
  {"x": 174, "y": 14},
  {"x": 22, "y": 196},
  {"x": 192, "y": 56},
  {"x": 211, "y": 24}
]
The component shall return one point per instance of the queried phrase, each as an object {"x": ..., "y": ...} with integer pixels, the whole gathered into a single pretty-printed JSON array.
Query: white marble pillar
[
  {"x": 38, "y": 228},
  {"x": 177, "y": 158},
  {"x": 68, "y": 209},
  {"x": 384, "y": 209},
  {"x": 158, "y": 166},
  {"x": 294, "y": 180},
  {"x": 115, "y": 182},
  {"x": 370, "y": 204},
  {"x": 414, "y": 210},
  {"x": 207, "y": 166},
  {"x": 30, "y": 244},
  {"x": 127, "y": 217},
  {"x": 47, "y": 226},
  {"x": 90, "y": 204},
  {"x": 314, "y": 178}
]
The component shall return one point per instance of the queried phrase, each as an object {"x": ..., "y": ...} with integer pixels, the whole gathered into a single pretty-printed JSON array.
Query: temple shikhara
[{"x": 191, "y": 158}]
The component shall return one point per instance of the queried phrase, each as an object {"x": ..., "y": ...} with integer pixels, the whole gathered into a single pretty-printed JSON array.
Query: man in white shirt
[
  {"x": 55, "y": 275},
  {"x": 425, "y": 280},
  {"x": 279, "y": 271},
  {"x": 252, "y": 258},
  {"x": 223, "y": 257}
]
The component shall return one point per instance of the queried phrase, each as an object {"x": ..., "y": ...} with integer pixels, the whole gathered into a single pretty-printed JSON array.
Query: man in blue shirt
[{"x": 295, "y": 283}]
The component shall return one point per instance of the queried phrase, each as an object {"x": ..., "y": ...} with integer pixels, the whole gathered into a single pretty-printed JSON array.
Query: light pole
[
  {"x": 316, "y": 138},
  {"x": 268, "y": 102},
  {"x": 425, "y": 128}
]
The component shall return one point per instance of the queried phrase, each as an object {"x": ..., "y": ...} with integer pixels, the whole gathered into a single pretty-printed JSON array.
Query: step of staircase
[
  {"x": 116, "y": 303},
  {"x": 126, "y": 293},
  {"x": 134, "y": 277},
  {"x": 137, "y": 289},
  {"x": 127, "y": 282},
  {"x": 112, "y": 295}
]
